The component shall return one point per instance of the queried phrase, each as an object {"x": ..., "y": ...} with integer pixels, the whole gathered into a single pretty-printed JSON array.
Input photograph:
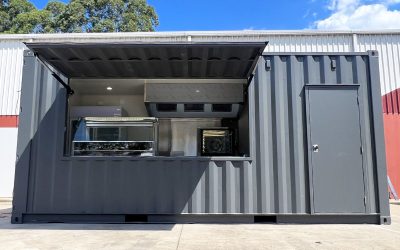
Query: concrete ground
[{"x": 197, "y": 236}]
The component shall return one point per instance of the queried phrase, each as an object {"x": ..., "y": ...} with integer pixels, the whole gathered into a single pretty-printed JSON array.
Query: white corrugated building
[{"x": 387, "y": 43}]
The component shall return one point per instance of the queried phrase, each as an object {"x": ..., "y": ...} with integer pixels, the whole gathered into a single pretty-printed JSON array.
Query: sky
[{"x": 191, "y": 15}]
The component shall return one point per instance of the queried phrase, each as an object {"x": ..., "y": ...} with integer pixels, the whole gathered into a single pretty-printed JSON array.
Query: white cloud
[
  {"x": 391, "y": 1},
  {"x": 357, "y": 14},
  {"x": 343, "y": 4}
]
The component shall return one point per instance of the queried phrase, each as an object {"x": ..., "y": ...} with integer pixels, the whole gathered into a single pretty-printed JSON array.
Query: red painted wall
[
  {"x": 8, "y": 121},
  {"x": 391, "y": 119},
  {"x": 391, "y": 102},
  {"x": 392, "y": 141}
]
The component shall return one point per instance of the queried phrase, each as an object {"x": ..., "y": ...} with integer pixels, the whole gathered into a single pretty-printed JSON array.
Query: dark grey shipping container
[{"x": 317, "y": 154}]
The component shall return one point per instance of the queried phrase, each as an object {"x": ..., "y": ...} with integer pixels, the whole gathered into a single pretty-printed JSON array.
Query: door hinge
[
  {"x": 361, "y": 150},
  {"x": 365, "y": 200}
]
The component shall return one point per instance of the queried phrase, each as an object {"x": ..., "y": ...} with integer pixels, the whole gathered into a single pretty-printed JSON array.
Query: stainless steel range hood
[{"x": 197, "y": 100}]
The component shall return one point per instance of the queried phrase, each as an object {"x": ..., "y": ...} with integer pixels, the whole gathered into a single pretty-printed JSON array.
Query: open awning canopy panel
[{"x": 122, "y": 60}]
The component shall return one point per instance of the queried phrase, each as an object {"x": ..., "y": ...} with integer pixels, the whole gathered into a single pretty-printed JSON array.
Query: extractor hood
[{"x": 197, "y": 100}]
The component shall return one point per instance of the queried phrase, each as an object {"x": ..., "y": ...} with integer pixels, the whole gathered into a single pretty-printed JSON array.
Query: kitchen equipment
[
  {"x": 115, "y": 136},
  {"x": 190, "y": 100},
  {"x": 216, "y": 142}
]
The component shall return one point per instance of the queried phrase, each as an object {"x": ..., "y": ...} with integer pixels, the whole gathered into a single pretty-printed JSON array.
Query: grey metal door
[{"x": 335, "y": 149}]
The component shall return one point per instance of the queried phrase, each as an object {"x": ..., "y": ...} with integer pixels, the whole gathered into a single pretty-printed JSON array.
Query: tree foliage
[{"x": 21, "y": 16}]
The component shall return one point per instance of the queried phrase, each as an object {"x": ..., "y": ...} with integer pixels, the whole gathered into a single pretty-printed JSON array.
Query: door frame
[{"x": 307, "y": 88}]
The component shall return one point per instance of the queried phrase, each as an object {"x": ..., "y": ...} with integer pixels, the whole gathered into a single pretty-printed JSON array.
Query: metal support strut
[{"x": 70, "y": 91}]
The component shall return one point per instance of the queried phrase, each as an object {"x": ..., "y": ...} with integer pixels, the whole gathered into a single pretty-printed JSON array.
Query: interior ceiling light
[{"x": 109, "y": 88}]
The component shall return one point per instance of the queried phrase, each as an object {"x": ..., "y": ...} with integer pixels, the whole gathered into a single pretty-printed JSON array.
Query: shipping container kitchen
[{"x": 198, "y": 131}]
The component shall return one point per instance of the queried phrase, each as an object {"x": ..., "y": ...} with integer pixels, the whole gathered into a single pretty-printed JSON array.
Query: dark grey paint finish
[
  {"x": 275, "y": 180},
  {"x": 335, "y": 147},
  {"x": 168, "y": 220},
  {"x": 378, "y": 138},
  {"x": 20, "y": 192},
  {"x": 160, "y": 60}
]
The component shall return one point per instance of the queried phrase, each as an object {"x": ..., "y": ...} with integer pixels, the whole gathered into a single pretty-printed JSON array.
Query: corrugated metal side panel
[
  {"x": 37, "y": 101},
  {"x": 118, "y": 185},
  {"x": 388, "y": 47},
  {"x": 282, "y": 131},
  {"x": 275, "y": 181},
  {"x": 11, "y": 61},
  {"x": 140, "y": 186},
  {"x": 309, "y": 43},
  {"x": 98, "y": 185},
  {"x": 279, "y": 129},
  {"x": 126, "y": 186}
]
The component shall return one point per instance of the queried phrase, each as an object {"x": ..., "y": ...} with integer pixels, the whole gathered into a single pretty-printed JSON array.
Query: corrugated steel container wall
[
  {"x": 273, "y": 181},
  {"x": 387, "y": 45},
  {"x": 282, "y": 121},
  {"x": 96, "y": 185},
  {"x": 11, "y": 61}
]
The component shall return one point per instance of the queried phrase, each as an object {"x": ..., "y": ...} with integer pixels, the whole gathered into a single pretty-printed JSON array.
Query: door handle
[{"x": 315, "y": 148}]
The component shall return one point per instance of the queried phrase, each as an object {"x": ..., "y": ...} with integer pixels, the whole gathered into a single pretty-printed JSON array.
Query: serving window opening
[
  {"x": 133, "y": 120},
  {"x": 136, "y": 100}
]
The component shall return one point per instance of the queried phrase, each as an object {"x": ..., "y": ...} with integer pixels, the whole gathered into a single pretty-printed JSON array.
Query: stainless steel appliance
[
  {"x": 194, "y": 100},
  {"x": 115, "y": 136},
  {"x": 216, "y": 142}
]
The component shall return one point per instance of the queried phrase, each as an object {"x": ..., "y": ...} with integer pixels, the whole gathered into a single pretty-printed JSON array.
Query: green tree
[
  {"x": 10, "y": 9},
  {"x": 21, "y": 16}
]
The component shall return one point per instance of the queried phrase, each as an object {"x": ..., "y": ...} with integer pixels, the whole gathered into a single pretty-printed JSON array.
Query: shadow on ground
[{"x": 5, "y": 224}]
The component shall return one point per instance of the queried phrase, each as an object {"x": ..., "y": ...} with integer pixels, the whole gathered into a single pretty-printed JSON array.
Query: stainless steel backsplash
[{"x": 178, "y": 136}]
